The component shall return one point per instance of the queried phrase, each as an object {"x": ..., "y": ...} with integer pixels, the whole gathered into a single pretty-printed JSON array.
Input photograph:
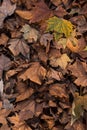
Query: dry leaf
[
  {"x": 35, "y": 73},
  {"x": 61, "y": 61},
  {"x": 5, "y": 64},
  {"x": 6, "y": 9},
  {"x": 30, "y": 33},
  {"x": 58, "y": 90},
  {"x": 18, "y": 46},
  {"x": 79, "y": 71},
  {"x": 3, "y": 39},
  {"x": 38, "y": 13},
  {"x": 76, "y": 45}
]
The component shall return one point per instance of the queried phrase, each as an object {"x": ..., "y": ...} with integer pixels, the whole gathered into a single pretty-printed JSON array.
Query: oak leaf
[
  {"x": 35, "y": 73},
  {"x": 59, "y": 25},
  {"x": 17, "y": 46},
  {"x": 6, "y": 9}
]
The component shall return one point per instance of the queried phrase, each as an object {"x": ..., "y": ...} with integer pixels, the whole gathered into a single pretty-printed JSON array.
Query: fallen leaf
[
  {"x": 61, "y": 61},
  {"x": 38, "y": 13},
  {"x": 53, "y": 74},
  {"x": 59, "y": 25},
  {"x": 17, "y": 46},
  {"x": 78, "y": 107},
  {"x": 30, "y": 33},
  {"x": 6, "y": 9},
  {"x": 3, "y": 39},
  {"x": 58, "y": 90},
  {"x": 35, "y": 73},
  {"x": 24, "y": 92},
  {"x": 45, "y": 38},
  {"x": 76, "y": 45},
  {"x": 5, "y": 64},
  {"x": 79, "y": 71}
]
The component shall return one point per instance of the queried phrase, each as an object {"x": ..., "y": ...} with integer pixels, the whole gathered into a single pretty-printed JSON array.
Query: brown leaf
[
  {"x": 58, "y": 90},
  {"x": 38, "y": 13},
  {"x": 53, "y": 74},
  {"x": 18, "y": 46},
  {"x": 24, "y": 92},
  {"x": 6, "y": 9},
  {"x": 3, "y": 39},
  {"x": 61, "y": 61},
  {"x": 80, "y": 45},
  {"x": 5, "y": 64},
  {"x": 35, "y": 73},
  {"x": 79, "y": 70}
]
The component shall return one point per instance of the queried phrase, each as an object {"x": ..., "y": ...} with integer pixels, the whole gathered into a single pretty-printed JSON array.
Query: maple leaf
[
  {"x": 6, "y": 9},
  {"x": 5, "y": 64},
  {"x": 61, "y": 61},
  {"x": 30, "y": 33},
  {"x": 18, "y": 46},
  {"x": 38, "y": 13},
  {"x": 59, "y": 25},
  {"x": 35, "y": 73}
]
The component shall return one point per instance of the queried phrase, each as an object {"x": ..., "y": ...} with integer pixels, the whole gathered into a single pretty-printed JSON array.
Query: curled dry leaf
[
  {"x": 6, "y": 9},
  {"x": 17, "y": 46},
  {"x": 79, "y": 44},
  {"x": 35, "y": 73}
]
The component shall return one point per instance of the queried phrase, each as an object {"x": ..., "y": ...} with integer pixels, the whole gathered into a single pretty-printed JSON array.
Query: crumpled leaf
[
  {"x": 79, "y": 104},
  {"x": 6, "y": 9},
  {"x": 79, "y": 70},
  {"x": 5, "y": 64},
  {"x": 59, "y": 25},
  {"x": 58, "y": 90},
  {"x": 35, "y": 73},
  {"x": 30, "y": 33},
  {"x": 18, "y": 46},
  {"x": 61, "y": 61},
  {"x": 38, "y": 13}
]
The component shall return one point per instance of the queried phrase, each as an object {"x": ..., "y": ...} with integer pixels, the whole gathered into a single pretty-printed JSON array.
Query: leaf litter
[{"x": 43, "y": 65}]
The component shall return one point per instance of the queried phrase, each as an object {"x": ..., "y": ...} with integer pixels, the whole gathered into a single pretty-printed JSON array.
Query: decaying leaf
[
  {"x": 5, "y": 64},
  {"x": 18, "y": 46},
  {"x": 35, "y": 73},
  {"x": 6, "y": 9},
  {"x": 61, "y": 61},
  {"x": 3, "y": 39},
  {"x": 30, "y": 33},
  {"x": 79, "y": 104},
  {"x": 59, "y": 25}
]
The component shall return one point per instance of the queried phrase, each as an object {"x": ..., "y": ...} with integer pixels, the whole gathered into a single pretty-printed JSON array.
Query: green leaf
[{"x": 59, "y": 25}]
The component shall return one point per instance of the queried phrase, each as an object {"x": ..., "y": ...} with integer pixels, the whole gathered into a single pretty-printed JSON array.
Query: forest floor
[{"x": 43, "y": 64}]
